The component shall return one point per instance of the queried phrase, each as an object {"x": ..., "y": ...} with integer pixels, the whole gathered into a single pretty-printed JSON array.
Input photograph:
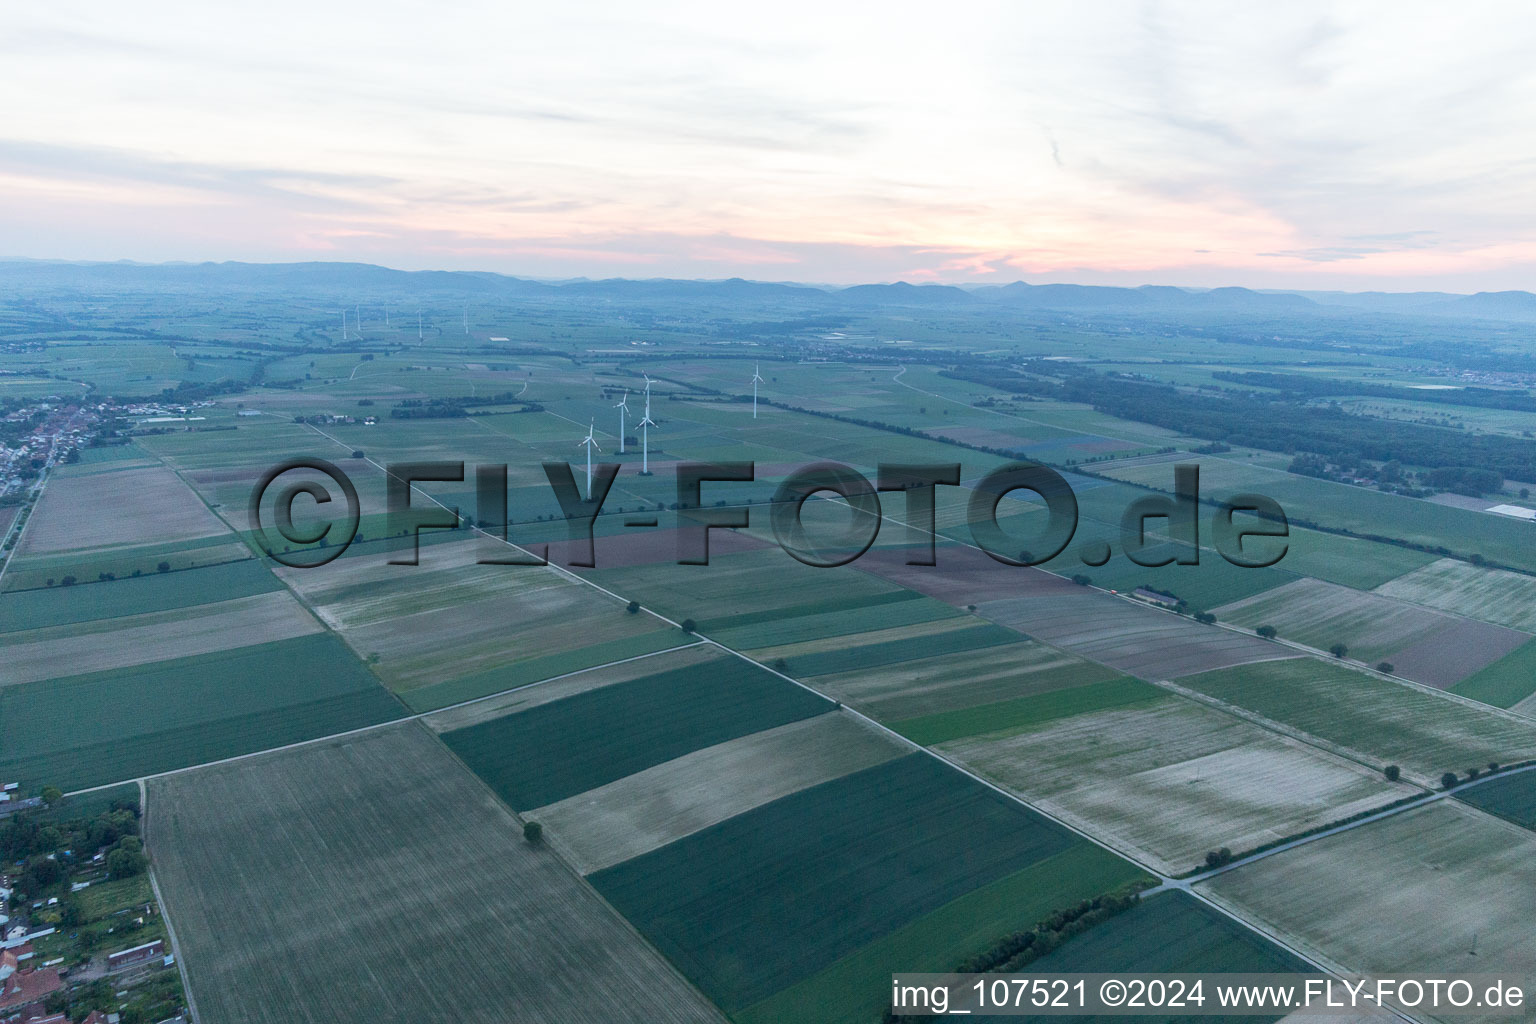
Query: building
[
  {"x": 1155, "y": 597},
  {"x": 23, "y": 990},
  {"x": 135, "y": 956}
]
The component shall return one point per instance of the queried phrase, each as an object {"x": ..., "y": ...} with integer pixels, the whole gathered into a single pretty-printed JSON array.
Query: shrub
[
  {"x": 1384, "y": 666},
  {"x": 1392, "y": 772},
  {"x": 533, "y": 831},
  {"x": 1448, "y": 780},
  {"x": 633, "y": 607},
  {"x": 1081, "y": 580},
  {"x": 163, "y": 567},
  {"x": 689, "y": 626},
  {"x": 1338, "y": 650},
  {"x": 1267, "y": 632}
]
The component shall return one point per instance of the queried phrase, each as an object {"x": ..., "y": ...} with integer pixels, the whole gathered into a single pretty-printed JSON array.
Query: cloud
[{"x": 1135, "y": 141}]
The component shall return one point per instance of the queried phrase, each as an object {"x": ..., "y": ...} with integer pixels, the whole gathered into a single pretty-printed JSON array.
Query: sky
[{"x": 1329, "y": 145}]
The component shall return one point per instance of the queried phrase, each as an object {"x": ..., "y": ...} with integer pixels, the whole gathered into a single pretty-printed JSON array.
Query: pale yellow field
[
  {"x": 105, "y": 510},
  {"x": 1493, "y": 595},
  {"x": 649, "y": 809},
  {"x": 158, "y": 636},
  {"x": 964, "y": 679},
  {"x": 1411, "y": 893},
  {"x": 1174, "y": 779},
  {"x": 875, "y": 636}
]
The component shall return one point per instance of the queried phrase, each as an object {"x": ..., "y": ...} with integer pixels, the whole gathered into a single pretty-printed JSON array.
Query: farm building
[
  {"x": 137, "y": 955},
  {"x": 1515, "y": 511},
  {"x": 1156, "y": 597}
]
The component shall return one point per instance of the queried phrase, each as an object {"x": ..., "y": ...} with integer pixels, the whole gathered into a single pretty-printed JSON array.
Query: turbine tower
[
  {"x": 645, "y": 433},
  {"x": 418, "y": 325},
  {"x": 466, "y": 321},
  {"x": 757, "y": 379},
  {"x": 343, "y": 323},
  {"x": 589, "y": 443},
  {"x": 623, "y": 408},
  {"x": 359, "y": 319}
]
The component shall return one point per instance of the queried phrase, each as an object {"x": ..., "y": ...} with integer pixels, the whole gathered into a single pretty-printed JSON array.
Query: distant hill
[{"x": 364, "y": 280}]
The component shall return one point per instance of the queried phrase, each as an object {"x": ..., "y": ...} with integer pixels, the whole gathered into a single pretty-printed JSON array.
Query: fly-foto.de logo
[{"x": 1247, "y": 530}]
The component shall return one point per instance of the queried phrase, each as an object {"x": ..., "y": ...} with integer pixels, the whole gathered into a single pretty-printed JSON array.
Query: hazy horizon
[{"x": 1363, "y": 148}]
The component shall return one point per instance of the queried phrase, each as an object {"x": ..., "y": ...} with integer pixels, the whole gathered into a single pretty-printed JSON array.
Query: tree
[
  {"x": 163, "y": 567},
  {"x": 1448, "y": 780},
  {"x": 1338, "y": 650},
  {"x": 533, "y": 831},
  {"x": 689, "y": 625},
  {"x": 123, "y": 863},
  {"x": 357, "y": 453},
  {"x": 1392, "y": 772},
  {"x": 52, "y": 795},
  {"x": 1205, "y": 617},
  {"x": 1384, "y": 666},
  {"x": 1493, "y": 766},
  {"x": 1267, "y": 632},
  {"x": 633, "y": 607}
]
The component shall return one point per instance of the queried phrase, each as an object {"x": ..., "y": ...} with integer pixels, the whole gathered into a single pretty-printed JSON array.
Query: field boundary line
[
  {"x": 165, "y": 914},
  {"x": 413, "y": 717}
]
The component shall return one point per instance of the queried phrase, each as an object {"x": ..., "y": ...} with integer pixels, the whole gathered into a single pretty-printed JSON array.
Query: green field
[
  {"x": 1506, "y": 682},
  {"x": 856, "y": 988},
  {"x": 80, "y": 731},
  {"x": 556, "y": 750},
  {"x": 770, "y": 897},
  {"x": 1022, "y": 712},
  {"x": 157, "y": 591},
  {"x": 1512, "y": 797}
]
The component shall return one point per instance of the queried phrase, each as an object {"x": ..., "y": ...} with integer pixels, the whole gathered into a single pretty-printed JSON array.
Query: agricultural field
[
  {"x": 134, "y": 595},
  {"x": 129, "y": 640},
  {"x": 1136, "y": 639},
  {"x": 855, "y": 989},
  {"x": 551, "y": 751},
  {"x": 1372, "y": 720},
  {"x": 641, "y": 812},
  {"x": 123, "y": 508},
  {"x": 841, "y": 857},
  {"x": 1472, "y": 870},
  {"x": 961, "y": 680},
  {"x": 494, "y": 921},
  {"x": 1166, "y": 778},
  {"x": 1421, "y": 644},
  {"x": 78, "y": 731},
  {"x": 1492, "y": 595},
  {"x": 438, "y": 632},
  {"x": 1511, "y": 796},
  {"x": 1509, "y": 682}
]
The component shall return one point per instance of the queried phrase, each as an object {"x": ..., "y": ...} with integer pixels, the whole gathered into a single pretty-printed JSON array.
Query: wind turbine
[
  {"x": 623, "y": 408},
  {"x": 466, "y": 321},
  {"x": 589, "y": 443},
  {"x": 359, "y": 319},
  {"x": 343, "y": 323},
  {"x": 757, "y": 379},
  {"x": 418, "y": 325},
  {"x": 645, "y": 434}
]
